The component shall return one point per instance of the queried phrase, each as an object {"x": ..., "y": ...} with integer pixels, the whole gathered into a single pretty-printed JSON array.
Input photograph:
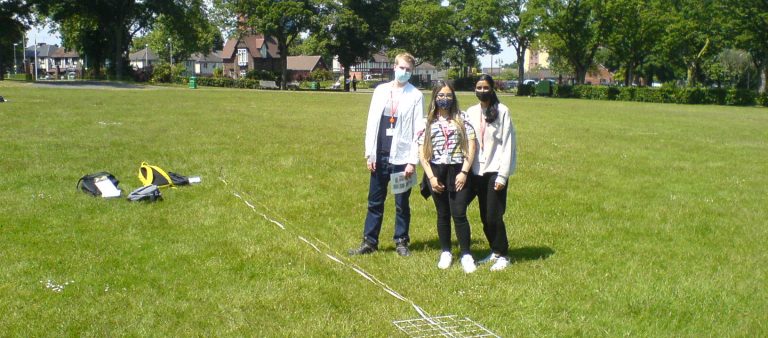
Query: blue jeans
[{"x": 377, "y": 195}]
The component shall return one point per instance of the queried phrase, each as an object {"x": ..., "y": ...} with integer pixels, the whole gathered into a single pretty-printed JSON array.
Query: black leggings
[
  {"x": 451, "y": 204},
  {"x": 492, "y": 204}
]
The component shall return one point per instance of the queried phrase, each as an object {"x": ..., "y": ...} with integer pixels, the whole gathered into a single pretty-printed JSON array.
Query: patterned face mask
[{"x": 443, "y": 103}]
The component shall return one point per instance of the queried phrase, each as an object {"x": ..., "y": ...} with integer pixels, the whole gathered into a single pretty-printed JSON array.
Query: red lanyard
[{"x": 393, "y": 109}]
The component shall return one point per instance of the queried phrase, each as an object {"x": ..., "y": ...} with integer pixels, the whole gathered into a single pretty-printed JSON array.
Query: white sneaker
[
  {"x": 445, "y": 260},
  {"x": 501, "y": 264},
  {"x": 468, "y": 263},
  {"x": 489, "y": 259}
]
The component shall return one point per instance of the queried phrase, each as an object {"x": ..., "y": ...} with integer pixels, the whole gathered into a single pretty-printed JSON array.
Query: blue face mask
[
  {"x": 401, "y": 75},
  {"x": 443, "y": 103}
]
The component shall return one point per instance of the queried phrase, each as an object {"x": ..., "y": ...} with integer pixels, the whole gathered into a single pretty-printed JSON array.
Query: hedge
[{"x": 695, "y": 95}]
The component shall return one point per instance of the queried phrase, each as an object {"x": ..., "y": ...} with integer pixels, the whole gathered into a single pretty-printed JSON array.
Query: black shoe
[
  {"x": 364, "y": 249},
  {"x": 402, "y": 249}
]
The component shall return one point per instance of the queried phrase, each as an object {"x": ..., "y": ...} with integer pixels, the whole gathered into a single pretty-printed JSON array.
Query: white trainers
[
  {"x": 489, "y": 259},
  {"x": 501, "y": 264},
  {"x": 445, "y": 260},
  {"x": 468, "y": 263}
]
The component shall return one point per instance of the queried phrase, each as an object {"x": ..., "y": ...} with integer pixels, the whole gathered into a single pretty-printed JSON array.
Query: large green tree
[
  {"x": 103, "y": 29},
  {"x": 636, "y": 27},
  {"x": 424, "y": 28},
  {"x": 747, "y": 20},
  {"x": 282, "y": 19},
  {"x": 692, "y": 35},
  {"x": 477, "y": 25},
  {"x": 520, "y": 27},
  {"x": 572, "y": 30},
  {"x": 354, "y": 30},
  {"x": 14, "y": 21}
]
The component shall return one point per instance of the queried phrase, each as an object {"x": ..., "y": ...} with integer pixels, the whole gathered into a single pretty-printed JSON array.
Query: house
[
  {"x": 602, "y": 76},
  {"x": 144, "y": 58},
  {"x": 250, "y": 52},
  {"x": 426, "y": 73},
  {"x": 66, "y": 63},
  {"x": 45, "y": 62},
  {"x": 201, "y": 64},
  {"x": 380, "y": 67},
  {"x": 301, "y": 66}
]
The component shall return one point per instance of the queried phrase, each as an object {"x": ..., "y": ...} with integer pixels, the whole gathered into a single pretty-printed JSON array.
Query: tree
[
  {"x": 572, "y": 30},
  {"x": 747, "y": 21},
  {"x": 692, "y": 35},
  {"x": 520, "y": 29},
  {"x": 636, "y": 29},
  {"x": 283, "y": 20},
  {"x": 477, "y": 25},
  {"x": 423, "y": 28},
  {"x": 15, "y": 16},
  {"x": 354, "y": 30},
  {"x": 103, "y": 29}
]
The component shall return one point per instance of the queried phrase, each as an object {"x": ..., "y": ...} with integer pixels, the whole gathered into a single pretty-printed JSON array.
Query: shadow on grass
[{"x": 530, "y": 253}]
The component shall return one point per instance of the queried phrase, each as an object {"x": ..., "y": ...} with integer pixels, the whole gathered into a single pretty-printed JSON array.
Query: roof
[
  {"x": 61, "y": 52},
  {"x": 214, "y": 56},
  {"x": 254, "y": 44},
  {"x": 380, "y": 57},
  {"x": 143, "y": 54},
  {"x": 43, "y": 50},
  {"x": 304, "y": 62}
]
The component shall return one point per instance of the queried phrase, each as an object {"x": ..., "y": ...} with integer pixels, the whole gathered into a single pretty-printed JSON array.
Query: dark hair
[
  {"x": 492, "y": 112},
  {"x": 454, "y": 114}
]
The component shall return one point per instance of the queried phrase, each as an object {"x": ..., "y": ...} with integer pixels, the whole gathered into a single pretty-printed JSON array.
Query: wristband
[{"x": 465, "y": 172}]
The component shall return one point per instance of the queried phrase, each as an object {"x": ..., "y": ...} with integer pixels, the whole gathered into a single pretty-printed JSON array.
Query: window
[{"x": 242, "y": 57}]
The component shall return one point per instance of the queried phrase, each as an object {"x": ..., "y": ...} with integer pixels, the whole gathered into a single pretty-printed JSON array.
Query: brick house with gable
[{"x": 250, "y": 52}]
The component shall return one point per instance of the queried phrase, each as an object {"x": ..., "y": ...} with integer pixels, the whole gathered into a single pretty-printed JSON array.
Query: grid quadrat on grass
[{"x": 443, "y": 326}]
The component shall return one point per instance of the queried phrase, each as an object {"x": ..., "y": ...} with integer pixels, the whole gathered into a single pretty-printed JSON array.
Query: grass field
[{"x": 625, "y": 219}]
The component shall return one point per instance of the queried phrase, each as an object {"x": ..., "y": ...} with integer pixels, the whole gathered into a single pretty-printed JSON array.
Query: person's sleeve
[
  {"x": 370, "y": 133},
  {"x": 508, "y": 150},
  {"x": 418, "y": 125}
]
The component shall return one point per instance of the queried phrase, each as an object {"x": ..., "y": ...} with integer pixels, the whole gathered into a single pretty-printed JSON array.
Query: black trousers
[
  {"x": 492, "y": 204},
  {"x": 451, "y": 204}
]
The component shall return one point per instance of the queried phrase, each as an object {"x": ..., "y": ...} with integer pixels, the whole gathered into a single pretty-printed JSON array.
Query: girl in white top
[
  {"x": 495, "y": 161},
  {"x": 446, "y": 151}
]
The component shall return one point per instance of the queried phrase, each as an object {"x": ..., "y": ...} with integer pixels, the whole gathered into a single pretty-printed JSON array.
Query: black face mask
[{"x": 483, "y": 96}]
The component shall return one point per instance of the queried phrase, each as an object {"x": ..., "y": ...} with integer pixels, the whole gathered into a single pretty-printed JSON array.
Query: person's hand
[
  {"x": 437, "y": 187},
  {"x": 498, "y": 186},
  {"x": 461, "y": 180},
  {"x": 409, "y": 170},
  {"x": 371, "y": 166}
]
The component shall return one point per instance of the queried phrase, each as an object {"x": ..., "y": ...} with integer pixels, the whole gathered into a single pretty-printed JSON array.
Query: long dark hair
[{"x": 492, "y": 112}]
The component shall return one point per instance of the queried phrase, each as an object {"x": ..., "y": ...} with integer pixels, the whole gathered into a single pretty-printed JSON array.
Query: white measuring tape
[{"x": 332, "y": 257}]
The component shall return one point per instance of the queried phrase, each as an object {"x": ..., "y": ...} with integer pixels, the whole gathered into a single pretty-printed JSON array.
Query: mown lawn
[{"x": 625, "y": 219}]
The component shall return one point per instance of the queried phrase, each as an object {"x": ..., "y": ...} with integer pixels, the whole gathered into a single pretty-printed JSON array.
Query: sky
[{"x": 507, "y": 54}]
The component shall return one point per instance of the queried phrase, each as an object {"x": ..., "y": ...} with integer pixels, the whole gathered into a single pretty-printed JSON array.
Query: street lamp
[
  {"x": 146, "y": 58},
  {"x": 15, "y": 65},
  {"x": 170, "y": 43}
]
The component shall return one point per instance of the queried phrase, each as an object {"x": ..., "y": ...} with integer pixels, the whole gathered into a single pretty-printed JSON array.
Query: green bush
[
  {"x": 740, "y": 97},
  {"x": 525, "y": 90},
  {"x": 562, "y": 91},
  {"x": 320, "y": 75},
  {"x": 762, "y": 99},
  {"x": 260, "y": 74}
]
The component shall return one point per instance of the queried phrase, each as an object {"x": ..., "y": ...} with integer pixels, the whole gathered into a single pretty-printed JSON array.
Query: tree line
[{"x": 698, "y": 42}]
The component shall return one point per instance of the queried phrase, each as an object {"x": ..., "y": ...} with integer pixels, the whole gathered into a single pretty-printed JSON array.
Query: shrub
[
  {"x": 320, "y": 75},
  {"x": 563, "y": 91},
  {"x": 259, "y": 74},
  {"x": 525, "y": 90},
  {"x": 762, "y": 99},
  {"x": 740, "y": 97}
]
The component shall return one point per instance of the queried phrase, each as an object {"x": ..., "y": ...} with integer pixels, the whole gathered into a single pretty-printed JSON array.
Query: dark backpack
[
  {"x": 87, "y": 183},
  {"x": 149, "y": 193}
]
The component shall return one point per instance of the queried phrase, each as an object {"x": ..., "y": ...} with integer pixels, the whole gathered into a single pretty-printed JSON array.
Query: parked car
[
  {"x": 511, "y": 84},
  {"x": 530, "y": 82}
]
